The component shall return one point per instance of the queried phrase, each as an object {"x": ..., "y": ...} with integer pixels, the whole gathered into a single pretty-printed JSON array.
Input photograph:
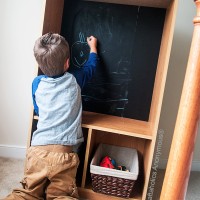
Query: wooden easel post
[{"x": 180, "y": 158}]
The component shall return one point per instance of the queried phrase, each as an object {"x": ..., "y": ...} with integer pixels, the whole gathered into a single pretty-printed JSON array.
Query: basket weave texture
[
  {"x": 110, "y": 185},
  {"x": 112, "y": 181}
]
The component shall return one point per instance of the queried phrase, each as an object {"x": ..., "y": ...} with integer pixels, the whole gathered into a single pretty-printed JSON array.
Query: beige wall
[
  {"x": 21, "y": 24},
  {"x": 177, "y": 66}
]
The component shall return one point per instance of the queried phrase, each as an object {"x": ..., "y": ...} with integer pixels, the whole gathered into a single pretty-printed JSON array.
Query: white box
[{"x": 123, "y": 156}]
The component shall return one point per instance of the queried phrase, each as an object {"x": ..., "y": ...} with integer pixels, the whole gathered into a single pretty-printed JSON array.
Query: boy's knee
[
  {"x": 20, "y": 194},
  {"x": 13, "y": 196}
]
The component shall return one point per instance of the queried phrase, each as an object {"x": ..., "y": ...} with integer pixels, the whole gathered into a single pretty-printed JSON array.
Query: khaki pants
[{"x": 49, "y": 174}]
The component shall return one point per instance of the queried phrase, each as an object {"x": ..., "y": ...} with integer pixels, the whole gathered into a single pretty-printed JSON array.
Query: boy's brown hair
[{"x": 51, "y": 52}]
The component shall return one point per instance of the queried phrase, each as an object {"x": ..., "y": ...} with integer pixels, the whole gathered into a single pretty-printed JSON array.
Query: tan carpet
[{"x": 11, "y": 172}]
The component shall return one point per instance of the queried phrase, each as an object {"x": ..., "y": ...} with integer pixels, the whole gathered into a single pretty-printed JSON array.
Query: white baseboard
[
  {"x": 195, "y": 164},
  {"x": 8, "y": 151}
]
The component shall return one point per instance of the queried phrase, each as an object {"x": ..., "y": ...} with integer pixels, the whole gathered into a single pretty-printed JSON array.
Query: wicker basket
[{"x": 111, "y": 181}]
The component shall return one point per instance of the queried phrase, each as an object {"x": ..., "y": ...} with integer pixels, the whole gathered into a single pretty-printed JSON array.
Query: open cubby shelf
[
  {"x": 95, "y": 137},
  {"x": 118, "y": 125},
  {"x": 115, "y": 130}
]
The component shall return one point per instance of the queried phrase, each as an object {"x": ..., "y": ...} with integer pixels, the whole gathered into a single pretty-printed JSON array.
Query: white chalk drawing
[{"x": 80, "y": 51}]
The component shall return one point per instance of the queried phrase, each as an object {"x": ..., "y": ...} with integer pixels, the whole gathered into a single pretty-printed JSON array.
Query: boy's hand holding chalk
[{"x": 92, "y": 42}]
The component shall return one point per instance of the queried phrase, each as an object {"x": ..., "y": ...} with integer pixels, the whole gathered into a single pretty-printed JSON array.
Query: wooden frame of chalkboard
[{"x": 115, "y": 130}]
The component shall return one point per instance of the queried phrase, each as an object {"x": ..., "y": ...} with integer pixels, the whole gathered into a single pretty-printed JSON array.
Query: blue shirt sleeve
[
  {"x": 35, "y": 84},
  {"x": 85, "y": 73}
]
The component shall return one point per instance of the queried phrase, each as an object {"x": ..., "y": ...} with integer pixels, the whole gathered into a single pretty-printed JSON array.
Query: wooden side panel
[
  {"x": 30, "y": 129},
  {"x": 148, "y": 156},
  {"x": 163, "y": 62},
  {"x": 87, "y": 154},
  {"x": 53, "y": 16}
]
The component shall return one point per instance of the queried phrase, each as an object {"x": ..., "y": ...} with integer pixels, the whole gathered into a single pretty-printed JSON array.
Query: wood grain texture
[
  {"x": 30, "y": 129},
  {"x": 116, "y": 124},
  {"x": 179, "y": 163},
  {"x": 53, "y": 16},
  {"x": 162, "y": 66},
  {"x": 87, "y": 153},
  {"x": 91, "y": 195}
]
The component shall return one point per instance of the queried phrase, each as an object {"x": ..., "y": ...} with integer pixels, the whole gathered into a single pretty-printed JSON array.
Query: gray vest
[{"x": 60, "y": 111}]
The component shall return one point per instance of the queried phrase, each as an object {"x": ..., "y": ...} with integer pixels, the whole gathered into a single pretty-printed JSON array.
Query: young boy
[{"x": 51, "y": 164}]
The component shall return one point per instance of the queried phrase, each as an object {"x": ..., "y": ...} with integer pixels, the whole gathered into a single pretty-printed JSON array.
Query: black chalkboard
[{"x": 129, "y": 40}]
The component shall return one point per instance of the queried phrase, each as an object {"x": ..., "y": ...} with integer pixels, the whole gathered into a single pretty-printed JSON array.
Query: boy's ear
[{"x": 66, "y": 65}]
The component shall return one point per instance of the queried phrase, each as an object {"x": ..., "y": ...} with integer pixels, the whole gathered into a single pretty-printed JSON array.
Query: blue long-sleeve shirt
[{"x": 57, "y": 101}]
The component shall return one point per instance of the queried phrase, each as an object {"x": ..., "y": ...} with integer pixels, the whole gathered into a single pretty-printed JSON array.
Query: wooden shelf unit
[{"x": 137, "y": 134}]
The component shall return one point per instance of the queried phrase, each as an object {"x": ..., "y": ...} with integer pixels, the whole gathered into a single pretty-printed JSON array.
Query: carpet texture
[{"x": 11, "y": 173}]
